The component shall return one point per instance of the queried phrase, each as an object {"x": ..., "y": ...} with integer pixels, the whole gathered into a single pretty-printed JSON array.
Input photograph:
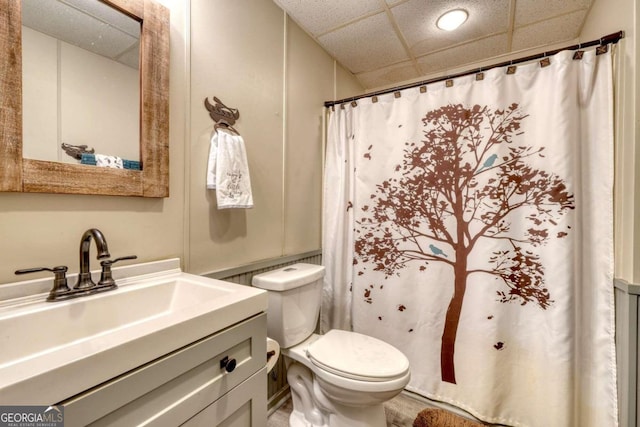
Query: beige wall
[
  {"x": 606, "y": 17},
  {"x": 39, "y": 95},
  {"x": 345, "y": 83},
  {"x": 307, "y": 87},
  {"x": 252, "y": 57},
  {"x": 237, "y": 55}
]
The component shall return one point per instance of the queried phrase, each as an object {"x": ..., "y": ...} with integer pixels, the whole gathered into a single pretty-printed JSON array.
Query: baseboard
[{"x": 279, "y": 399}]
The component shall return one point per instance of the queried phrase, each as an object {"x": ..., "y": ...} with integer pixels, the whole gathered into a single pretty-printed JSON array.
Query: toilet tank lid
[{"x": 289, "y": 277}]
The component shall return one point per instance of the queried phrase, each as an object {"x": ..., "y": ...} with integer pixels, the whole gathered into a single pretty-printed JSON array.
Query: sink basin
[
  {"x": 61, "y": 348},
  {"x": 28, "y": 332}
]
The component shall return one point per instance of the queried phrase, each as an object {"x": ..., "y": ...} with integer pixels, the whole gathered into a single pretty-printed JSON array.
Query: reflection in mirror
[
  {"x": 80, "y": 68},
  {"x": 18, "y": 173}
]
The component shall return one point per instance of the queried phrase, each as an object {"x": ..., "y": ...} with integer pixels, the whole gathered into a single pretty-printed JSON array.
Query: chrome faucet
[{"x": 84, "y": 277}]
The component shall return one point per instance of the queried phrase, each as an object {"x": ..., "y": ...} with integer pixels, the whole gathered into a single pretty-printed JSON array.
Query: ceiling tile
[
  {"x": 318, "y": 17},
  {"x": 106, "y": 13},
  {"x": 76, "y": 27},
  {"x": 554, "y": 30},
  {"x": 388, "y": 76},
  {"x": 417, "y": 22},
  {"x": 363, "y": 37},
  {"x": 365, "y": 45},
  {"x": 529, "y": 11},
  {"x": 464, "y": 54}
]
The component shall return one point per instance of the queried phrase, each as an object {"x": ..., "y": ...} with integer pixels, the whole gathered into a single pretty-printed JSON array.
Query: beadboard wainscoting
[{"x": 627, "y": 300}]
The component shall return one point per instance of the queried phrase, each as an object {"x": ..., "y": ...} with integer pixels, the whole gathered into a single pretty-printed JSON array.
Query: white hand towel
[
  {"x": 231, "y": 171},
  {"x": 105, "y": 161},
  {"x": 213, "y": 158}
]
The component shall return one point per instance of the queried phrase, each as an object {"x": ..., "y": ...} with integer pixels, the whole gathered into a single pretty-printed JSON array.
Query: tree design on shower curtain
[{"x": 455, "y": 193}]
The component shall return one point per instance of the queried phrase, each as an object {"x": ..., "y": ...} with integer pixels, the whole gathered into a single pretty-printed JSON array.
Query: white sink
[
  {"x": 62, "y": 348},
  {"x": 30, "y": 331}
]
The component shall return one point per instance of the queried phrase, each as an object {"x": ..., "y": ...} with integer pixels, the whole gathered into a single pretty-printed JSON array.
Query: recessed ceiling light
[{"x": 452, "y": 19}]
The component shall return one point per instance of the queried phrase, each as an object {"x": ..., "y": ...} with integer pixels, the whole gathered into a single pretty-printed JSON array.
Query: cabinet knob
[{"x": 228, "y": 364}]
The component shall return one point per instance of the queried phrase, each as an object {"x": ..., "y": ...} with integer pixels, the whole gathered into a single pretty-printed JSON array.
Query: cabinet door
[
  {"x": 172, "y": 389},
  {"x": 244, "y": 406}
]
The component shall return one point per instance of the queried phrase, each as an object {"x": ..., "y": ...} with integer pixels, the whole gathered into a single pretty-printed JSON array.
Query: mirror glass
[
  {"x": 81, "y": 81},
  {"x": 148, "y": 112}
]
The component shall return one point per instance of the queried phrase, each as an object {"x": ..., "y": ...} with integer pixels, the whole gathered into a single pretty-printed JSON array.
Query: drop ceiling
[
  {"x": 88, "y": 24},
  {"x": 387, "y": 42}
]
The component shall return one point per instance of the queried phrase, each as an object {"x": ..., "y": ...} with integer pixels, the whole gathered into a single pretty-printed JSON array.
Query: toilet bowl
[
  {"x": 355, "y": 369},
  {"x": 339, "y": 379}
]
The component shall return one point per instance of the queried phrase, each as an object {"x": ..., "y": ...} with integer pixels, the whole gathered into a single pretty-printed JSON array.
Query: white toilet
[{"x": 339, "y": 379}]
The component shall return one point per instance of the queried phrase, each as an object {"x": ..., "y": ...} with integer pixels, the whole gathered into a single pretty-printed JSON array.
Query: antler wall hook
[
  {"x": 76, "y": 151},
  {"x": 221, "y": 114}
]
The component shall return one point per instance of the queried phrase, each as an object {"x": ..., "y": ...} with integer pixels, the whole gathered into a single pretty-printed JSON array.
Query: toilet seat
[{"x": 356, "y": 356}]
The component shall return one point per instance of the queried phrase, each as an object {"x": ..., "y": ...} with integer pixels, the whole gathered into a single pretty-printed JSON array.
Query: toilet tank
[{"x": 294, "y": 294}]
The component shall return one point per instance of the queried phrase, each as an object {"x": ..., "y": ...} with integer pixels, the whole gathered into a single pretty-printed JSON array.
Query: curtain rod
[{"x": 611, "y": 38}]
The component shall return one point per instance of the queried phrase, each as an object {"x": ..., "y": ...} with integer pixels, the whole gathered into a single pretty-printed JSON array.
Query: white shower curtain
[{"x": 469, "y": 223}]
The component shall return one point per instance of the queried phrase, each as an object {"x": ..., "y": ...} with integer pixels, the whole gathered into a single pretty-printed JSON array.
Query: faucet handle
[
  {"x": 59, "y": 281},
  {"x": 110, "y": 262},
  {"x": 106, "y": 278}
]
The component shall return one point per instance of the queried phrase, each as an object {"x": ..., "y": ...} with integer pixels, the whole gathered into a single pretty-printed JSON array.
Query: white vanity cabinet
[{"x": 187, "y": 387}]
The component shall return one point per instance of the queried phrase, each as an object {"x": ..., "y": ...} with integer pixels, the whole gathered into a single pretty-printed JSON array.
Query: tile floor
[{"x": 401, "y": 411}]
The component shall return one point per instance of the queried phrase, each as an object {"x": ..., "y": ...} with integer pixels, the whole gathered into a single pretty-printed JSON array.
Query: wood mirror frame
[{"x": 28, "y": 175}]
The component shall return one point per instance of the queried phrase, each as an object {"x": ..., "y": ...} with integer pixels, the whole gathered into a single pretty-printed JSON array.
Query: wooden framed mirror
[{"x": 18, "y": 174}]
